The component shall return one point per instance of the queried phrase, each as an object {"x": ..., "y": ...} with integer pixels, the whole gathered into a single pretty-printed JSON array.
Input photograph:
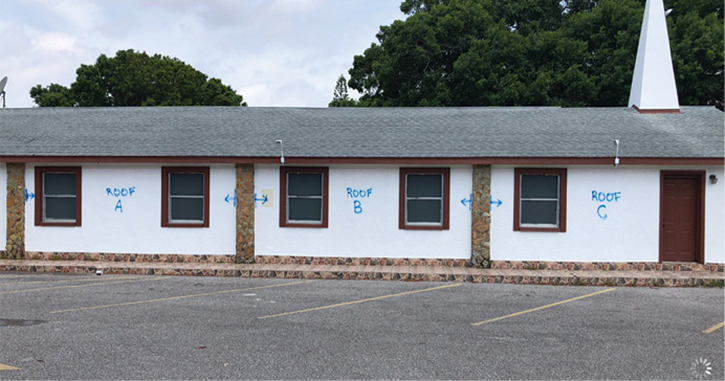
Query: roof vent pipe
[
  {"x": 281, "y": 147},
  {"x": 616, "y": 154}
]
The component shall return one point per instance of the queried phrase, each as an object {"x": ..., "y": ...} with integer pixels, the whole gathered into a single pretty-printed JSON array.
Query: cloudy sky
[{"x": 272, "y": 52}]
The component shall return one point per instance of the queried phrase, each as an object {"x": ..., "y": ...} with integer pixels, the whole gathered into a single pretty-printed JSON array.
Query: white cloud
[
  {"x": 54, "y": 42},
  {"x": 273, "y": 52},
  {"x": 296, "y": 6},
  {"x": 80, "y": 14}
]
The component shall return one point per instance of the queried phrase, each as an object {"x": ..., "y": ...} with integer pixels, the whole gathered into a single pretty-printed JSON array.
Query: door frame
[{"x": 699, "y": 176}]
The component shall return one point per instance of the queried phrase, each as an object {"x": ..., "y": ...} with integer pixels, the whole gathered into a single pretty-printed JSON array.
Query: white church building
[{"x": 459, "y": 186}]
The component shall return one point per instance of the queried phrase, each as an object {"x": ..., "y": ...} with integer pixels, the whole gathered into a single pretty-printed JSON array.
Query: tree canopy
[
  {"x": 137, "y": 79},
  {"x": 340, "y": 97},
  {"x": 533, "y": 52}
]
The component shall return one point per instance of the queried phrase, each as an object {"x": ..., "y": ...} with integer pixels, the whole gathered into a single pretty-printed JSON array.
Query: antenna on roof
[
  {"x": 2, "y": 88},
  {"x": 616, "y": 155},
  {"x": 281, "y": 147}
]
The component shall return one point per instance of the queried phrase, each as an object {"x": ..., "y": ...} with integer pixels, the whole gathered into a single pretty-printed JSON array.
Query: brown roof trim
[
  {"x": 369, "y": 160},
  {"x": 658, "y": 111},
  {"x": 671, "y": 161}
]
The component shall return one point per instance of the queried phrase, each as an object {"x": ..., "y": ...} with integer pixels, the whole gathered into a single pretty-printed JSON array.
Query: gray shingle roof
[{"x": 365, "y": 133}]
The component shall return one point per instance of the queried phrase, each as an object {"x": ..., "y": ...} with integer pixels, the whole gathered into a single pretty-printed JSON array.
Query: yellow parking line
[
  {"x": 8, "y": 367},
  {"x": 87, "y": 279},
  {"x": 180, "y": 297},
  {"x": 9, "y": 276},
  {"x": 542, "y": 307},
  {"x": 26, "y": 275},
  {"x": 714, "y": 328},
  {"x": 77, "y": 286},
  {"x": 358, "y": 301}
]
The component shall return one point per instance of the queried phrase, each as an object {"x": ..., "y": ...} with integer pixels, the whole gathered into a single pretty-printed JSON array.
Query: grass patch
[{"x": 715, "y": 283}]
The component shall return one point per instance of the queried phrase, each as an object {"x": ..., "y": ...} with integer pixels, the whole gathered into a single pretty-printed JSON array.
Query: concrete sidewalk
[{"x": 645, "y": 278}]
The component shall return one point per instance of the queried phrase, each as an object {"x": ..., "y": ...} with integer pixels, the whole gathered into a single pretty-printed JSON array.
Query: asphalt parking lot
[{"x": 56, "y": 326}]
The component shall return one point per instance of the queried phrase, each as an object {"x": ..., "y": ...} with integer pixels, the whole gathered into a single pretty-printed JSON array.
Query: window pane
[
  {"x": 186, "y": 184},
  {"x": 538, "y": 212},
  {"x": 424, "y": 211},
  {"x": 304, "y": 184},
  {"x": 59, "y": 184},
  {"x": 304, "y": 209},
  {"x": 539, "y": 186},
  {"x": 425, "y": 185},
  {"x": 189, "y": 209},
  {"x": 60, "y": 208}
]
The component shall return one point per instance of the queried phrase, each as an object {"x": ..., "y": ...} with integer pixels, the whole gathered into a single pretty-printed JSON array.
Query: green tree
[
  {"x": 137, "y": 79},
  {"x": 696, "y": 35},
  {"x": 340, "y": 97},
  {"x": 533, "y": 52},
  {"x": 54, "y": 95}
]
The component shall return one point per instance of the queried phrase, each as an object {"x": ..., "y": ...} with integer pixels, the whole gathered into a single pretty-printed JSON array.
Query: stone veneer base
[
  {"x": 120, "y": 257},
  {"x": 608, "y": 266},
  {"x": 400, "y": 273},
  {"x": 363, "y": 261},
  {"x": 392, "y": 262}
]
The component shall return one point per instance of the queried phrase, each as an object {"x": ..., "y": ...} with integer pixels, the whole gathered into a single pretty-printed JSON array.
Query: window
[
  {"x": 540, "y": 199},
  {"x": 57, "y": 196},
  {"x": 304, "y": 197},
  {"x": 424, "y": 198},
  {"x": 185, "y": 197}
]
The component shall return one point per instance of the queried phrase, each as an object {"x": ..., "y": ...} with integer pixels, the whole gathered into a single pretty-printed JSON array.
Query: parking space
[{"x": 64, "y": 326}]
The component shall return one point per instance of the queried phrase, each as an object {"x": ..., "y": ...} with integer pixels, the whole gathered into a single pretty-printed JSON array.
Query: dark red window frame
[
  {"x": 165, "y": 196},
  {"x": 283, "y": 171},
  {"x": 39, "y": 195},
  {"x": 561, "y": 172},
  {"x": 402, "y": 223}
]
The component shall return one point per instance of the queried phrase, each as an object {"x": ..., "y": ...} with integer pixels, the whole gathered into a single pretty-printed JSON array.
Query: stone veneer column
[
  {"x": 481, "y": 217},
  {"x": 245, "y": 213},
  {"x": 15, "y": 241}
]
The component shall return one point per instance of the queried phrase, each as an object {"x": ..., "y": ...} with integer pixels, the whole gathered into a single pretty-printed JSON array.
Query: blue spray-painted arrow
[
  {"x": 264, "y": 199},
  {"x": 467, "y": 201},
  {"x": 233, "y": 198},
  {"x": 29, "y": 195}
]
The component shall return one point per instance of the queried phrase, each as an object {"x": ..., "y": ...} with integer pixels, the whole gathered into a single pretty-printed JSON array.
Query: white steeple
[{"x": 653, "y": 82}]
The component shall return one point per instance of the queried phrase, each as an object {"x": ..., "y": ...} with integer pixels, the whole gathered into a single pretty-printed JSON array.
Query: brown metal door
[{"x": 680, "y": 218}]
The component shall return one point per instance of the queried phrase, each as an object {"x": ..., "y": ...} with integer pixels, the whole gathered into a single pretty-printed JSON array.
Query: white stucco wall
[
  {"x": 137, "y": 229},
  {"x": 3, "y": 205},
  {"x": 630, "y": 231},
  {"x": 374, "y": 231},
  {"x": 715, "y": 217}
]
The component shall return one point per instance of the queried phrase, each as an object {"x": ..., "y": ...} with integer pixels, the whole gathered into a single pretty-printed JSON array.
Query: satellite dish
[{"x": 2, "y": 88}]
